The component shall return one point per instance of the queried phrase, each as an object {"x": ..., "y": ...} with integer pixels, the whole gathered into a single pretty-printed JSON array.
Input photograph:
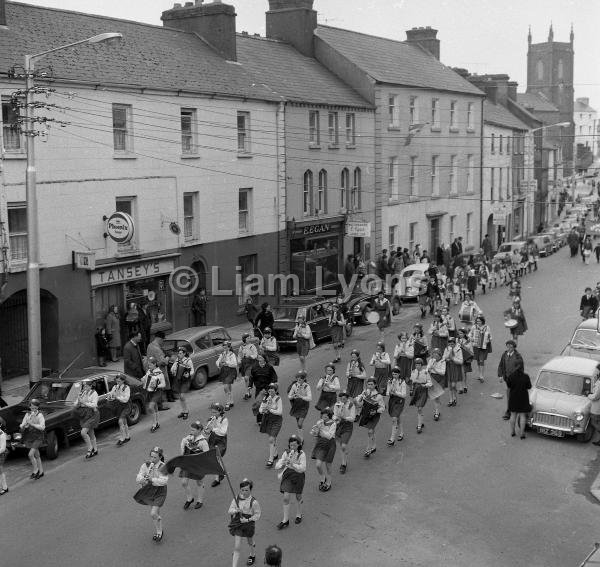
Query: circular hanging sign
[{"x": 120, "y": 227}]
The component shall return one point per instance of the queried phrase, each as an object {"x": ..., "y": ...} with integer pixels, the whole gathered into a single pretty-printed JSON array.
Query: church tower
[{"x": 550, "y": 73}]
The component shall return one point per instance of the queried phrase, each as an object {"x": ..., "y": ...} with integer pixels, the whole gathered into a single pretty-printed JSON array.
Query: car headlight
[
  {"x": 578, "y": 416},
  {"x": 17, "y": 436},
  {"x": 357, "y": 308}
]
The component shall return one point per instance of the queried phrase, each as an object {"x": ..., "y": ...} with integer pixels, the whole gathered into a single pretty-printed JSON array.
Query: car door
[
  {"x": 105, "y": 407},
  {"x": 203, "y": 353}
]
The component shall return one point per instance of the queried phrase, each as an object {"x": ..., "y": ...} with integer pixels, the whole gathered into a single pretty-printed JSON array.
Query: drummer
[
  {"x": 468, "y": 310},
  {"x": 372, "y": 407},
  {"x": 515, "y": 320}
]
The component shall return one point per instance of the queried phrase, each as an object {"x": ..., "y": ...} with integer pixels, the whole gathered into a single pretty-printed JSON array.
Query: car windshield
[
  {"x": 565, "y": 383},
  {"x": 48, "y": 392},
  {"x": 293, "y": 313},
  {"x": 170, "y": 346},
  {"x": 586, "y": 338},
  {"x": 504, "y": 248}
]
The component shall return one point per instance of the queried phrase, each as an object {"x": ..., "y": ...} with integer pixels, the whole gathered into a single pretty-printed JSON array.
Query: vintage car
[
  {"x": 559, "y": 402},
  {"x": 204, "y": 344},
  {"x": 412, "y": 283},
  {"x": 58, "y": 395},
  {"x": 360, "y": 301},
  {"x": 585, "y": 341},
  {"x": 506, "y": 249},
  {"x": 545, "y": 243}
]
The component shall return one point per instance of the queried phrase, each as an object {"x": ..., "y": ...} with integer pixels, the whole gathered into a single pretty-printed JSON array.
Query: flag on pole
[{"x": 197, "y": 465}]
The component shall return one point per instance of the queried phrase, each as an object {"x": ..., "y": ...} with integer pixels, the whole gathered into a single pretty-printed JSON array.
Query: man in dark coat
[
  {"x": 456, "y": 247},
  {"x": 486, "y": 244},
  {"x": 511, "y": 363},
  {"x": 145, "y": 326},
  {"x": 199, "y": 308},
  {"x": 573, "y": 242},
  {"x": 349, "y": 268},
  {"x": 588, "y": 304},
  {"x": 132, "y": 356}
]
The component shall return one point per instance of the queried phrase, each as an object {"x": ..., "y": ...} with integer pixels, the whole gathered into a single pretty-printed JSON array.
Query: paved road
[{"x": 463, "y": 493}]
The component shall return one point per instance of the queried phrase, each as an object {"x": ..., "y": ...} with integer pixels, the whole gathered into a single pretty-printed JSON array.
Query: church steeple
[
  {"x": 551, "y": 34},
  {"x": 529, "y": 36},
  {"x": 572, "y": 36}
]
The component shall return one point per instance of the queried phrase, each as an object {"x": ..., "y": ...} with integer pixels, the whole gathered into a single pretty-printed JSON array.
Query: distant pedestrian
[
  {"x": 193, "y": 444},
  {"x": 586, "y": 249},
  {"x": 244, "y": 512},
  {"x": 349, "y": 269},
  {"x": 511, "y": 364},
  {"x": 113, "y": 330},
  {"x": 153, "y": 492},
  {"x": 89, "y": 416},
  {"x": 292, "y": 476},
  {"x": 102, "y": 348},
  {"x": 200, "y": 307},
  {"x": 324, "y": 450},
  {"x": 300, "y": 396},
  {"x": 372, "y": 406},
  {"x": 486, "y": 245},
  {"x": 228, "y": 365},
  {"x": 121, "y": 394},
  {"x": 597, "y": 252},
  {"x": 3, "y": 453},
  {"x": 132, "y": 356},
  {"x": 182, "y": 371},
  {"x": 33, "y": 429},
  {"x": 594, "y": 396},
  {"x": 271, "y": 409},
  {"x": 304, "y": 340},
  {"x": 273, "y": 556}
]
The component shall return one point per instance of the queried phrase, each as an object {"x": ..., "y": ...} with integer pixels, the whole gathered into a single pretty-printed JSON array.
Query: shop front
[
  {"x": 133, "y": 287},
  {"x": 316, "y": 250}
]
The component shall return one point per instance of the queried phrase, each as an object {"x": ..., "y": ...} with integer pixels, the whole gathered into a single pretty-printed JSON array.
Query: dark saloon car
[{"x": 58, "y": 395}]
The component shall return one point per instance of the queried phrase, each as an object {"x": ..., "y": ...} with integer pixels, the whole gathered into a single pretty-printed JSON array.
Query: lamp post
[{"x": 34, "y": 330}]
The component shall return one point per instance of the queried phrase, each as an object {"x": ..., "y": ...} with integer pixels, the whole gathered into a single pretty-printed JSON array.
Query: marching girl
[
  {"x": 247, "y": 355},
  {"x": 516, "y": 313},
  {"x": 397, "y": 390},
  {"x": 436, "y": 367},
  {"x": 89, "y": 416},
  {"x": 421, "y": 382},
  {"x": 471, "y": 281},
  {"x": 228, "y": 363},
  {"x": 460, "y": 283},
  {"x": 3, "y": 453},
  {"x": 300, "y": 397},
  {"x": 153, "y": 383},
  {"x": 515, "y": 289},
  {"x": 355, "y": 372},
  {"x": 244, "y": 512},
  {"x": 32, "y": 428},
  {"x": 454, "y": 368},
  {"x": 153, "y": 479},
  {"x": 271, "y": 409},
  {"x": 192, "y": 444},
  {"x": 182, "y": 371},
  {"x": 293, "y": 466},
  {"x": 439, "y": 332},
  {"x": 304, "y": 340},
  {"x": 337, "y": 324},
  {"x": 503, "y": 273},
  {"x": 418, "y": 342},
  {"x": 467, "y": 351},
  {"x": 468, "y": 310},
  {"x": 484, "y": 275},
  {"x": 344, "y": 414},
  {"x": 372, "y": 407},
  {"x": 216, "y": 428},
  {"x": 268, "y": 347},
  {"x": 382, "y": 363},
  {"x": 122, "y": 393},
  {"x": 324, "y": 451},
  {"x": 383, "y": 309},
  {"x": 404, "y": 354},
  {"x": 449, "y": 322},
  {"x": 329, "y": 386},
  {"x": 480, "y": 336}
]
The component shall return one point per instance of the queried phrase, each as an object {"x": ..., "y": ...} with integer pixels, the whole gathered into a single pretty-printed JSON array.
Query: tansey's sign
[
  {"x": 120, "y": 227},
  {"x": 127, "y": 272}
]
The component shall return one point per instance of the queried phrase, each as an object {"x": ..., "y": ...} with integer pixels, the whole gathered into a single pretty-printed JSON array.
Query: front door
[{"x": 434, "y": 237}]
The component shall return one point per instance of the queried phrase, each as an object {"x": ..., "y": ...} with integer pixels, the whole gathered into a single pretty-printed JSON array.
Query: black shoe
[
  {"x": 215, "y": 483},
  {"x": 283, "y": 525},
  {"x": 39, "y": 475},
  {"x": 5, "y": 490},
  {"x": 343, "y": 469},
  {"x": 198, "y": 505},
  {"x": 506, "y": 416},
  {"x": 597, "y": 443},
  {"x": 187, "y": 504},
  {"x": 298, "y": 520}
]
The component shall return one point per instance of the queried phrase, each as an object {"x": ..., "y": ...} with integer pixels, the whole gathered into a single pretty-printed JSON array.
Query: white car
[
  {"x": 506, "y": 249},
  {"x": 411, "y": 283}
]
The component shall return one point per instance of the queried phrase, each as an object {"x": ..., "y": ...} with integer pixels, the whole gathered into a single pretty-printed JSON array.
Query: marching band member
[
  {"x": 304, "y": 340},
  {"x": 300, "y": 397},
  {"x": 418, "y": 342},
  {"x": 337, "y": 324},
  {"x": 454, "y": 368},
  {"x": 381, "y": 361},
  {"x": 517, "y": 314},
  {"x": 355, "y": 372},
  {"x": 89, "y": 417},
  {"x": 182, "y": 371},
  {"x": 122, "y": 393},
  {"x": 439, "y": 332},
  {"x": 404, "y": 354},
  {"x": 268, "y": 347},
  {"x": 293, "y": 466},
  {"x": 153, "y": 382},
  {"x": 468, "y": 310},
  {"x": 216, "y": 428},
  {"x": 467, "y": 351},
  {"x": 153, "y": 479},
  {"x": 383, "y": 309},
  {"x": 329, "y": 386},
  {"x": 32, "y": 428},
  {"x": 344, "y": 414},
  {"x": 481, "y": 339},
  {"x": 421, "y": 382},
  {"x": 247, "y": 355},
  {"x": 372, "y": 406},
  {"x": 397, "y": 390},
  {"x": 192, "y": 444},
  {"x": 228, "y": 363},
  {"x": 449, "y": 322},
  {"x": 324, "y": 450},
  {"x": 436, "y": 367},
  {"x": 244, "y": 512},
  {"x": 3, "y": 453},
  {"x": 271, "y": 409}
]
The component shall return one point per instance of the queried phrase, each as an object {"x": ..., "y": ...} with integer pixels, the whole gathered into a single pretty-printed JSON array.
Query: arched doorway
[
  {"x": 14, "y": 334},
  {"x": 491, "y": 232}
]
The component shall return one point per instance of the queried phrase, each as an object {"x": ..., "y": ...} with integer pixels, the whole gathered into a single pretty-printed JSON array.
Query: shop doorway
[
  {"x": 434, "y": 236},
  {"x": 14, "y": 351},
  {"x": 492, "y": 233}
]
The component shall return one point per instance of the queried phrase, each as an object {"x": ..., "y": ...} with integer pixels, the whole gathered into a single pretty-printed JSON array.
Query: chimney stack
[
  {"x": 213, "y": 22},
  {"x": 293, "y": 21},
  {"x": 426, "y": 38},
  {"x": 583, "y": 100}
]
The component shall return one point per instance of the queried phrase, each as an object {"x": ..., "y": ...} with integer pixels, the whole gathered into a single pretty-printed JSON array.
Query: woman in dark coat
[{"x": 518, "y": 402}]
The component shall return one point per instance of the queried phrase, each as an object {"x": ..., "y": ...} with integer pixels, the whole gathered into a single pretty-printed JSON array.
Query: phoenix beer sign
[{"x": 120, "y": 227}]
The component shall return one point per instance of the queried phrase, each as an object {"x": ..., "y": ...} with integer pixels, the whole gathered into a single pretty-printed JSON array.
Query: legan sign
[{"x": 120, "y": 227}]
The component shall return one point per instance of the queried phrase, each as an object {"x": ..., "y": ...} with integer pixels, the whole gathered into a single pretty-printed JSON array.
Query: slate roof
[
  {"x": 292, "y": 75},
  {"x": 582, "y": 107},
  {"x": 537, "y": 102},
  {"x": 147, "y": 56},
  {"x": 501, "y": 116},
  {"x": 395, "y": 62}
]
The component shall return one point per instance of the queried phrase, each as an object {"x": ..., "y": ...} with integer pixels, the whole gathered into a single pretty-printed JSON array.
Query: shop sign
[
  {"x": 120, "y": 227},
  {"x": 358, "y": 229},
  {"x": 500, "y": 212},
  {"x": 84, "y": 260},
  {"x": 136, "y": 271},
  {"x": 316, "y": 229}
]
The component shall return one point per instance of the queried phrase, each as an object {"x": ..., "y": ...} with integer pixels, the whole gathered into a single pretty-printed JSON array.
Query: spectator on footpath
[
  {"x": 457, "y": 247},
  {"x": 511, "y": 363},
  {"x": 519, "y": 385},
  {"x": 132, "y": 357},
  {"x": 595, "y": 409},
  {"x": 251, "y": 312},
  {"x": 349, "y": 268},
  {"x": 588, "y": 304},
  {"x": 112, "y": 325},
  {"x": 273, "y": 556},
  {"x": 382, "y": 265},
  {"x": 486, "y": 244},
  {"x": 199, "y": 308},
  {"x": 597, "y": 252}
]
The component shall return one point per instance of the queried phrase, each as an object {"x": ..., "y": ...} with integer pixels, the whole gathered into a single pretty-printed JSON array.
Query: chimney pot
[
  {"x": 293, "y": 21},
  {"x": 426, "y": 38},
  {"x": 176, "y": 6},
  {"x": 244, "y": 33},
  {"x": 188, "y": 4}
]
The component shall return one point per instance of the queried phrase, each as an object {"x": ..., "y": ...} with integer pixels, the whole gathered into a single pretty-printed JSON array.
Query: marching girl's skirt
[
  {"x": 419, "y": 397},
  {"x": 324, "y": 450},
  {"x": 124, "y": 409},
  {"x": 271, "y": 424},
  {"x": 355, "y": 386},
  {"x": 326, "y": 400},
  {"x": 150, "y": 495},
  {"x": 337, "y": 335},
  {"x": 89, "y": 418},
  {"x": 436, "y": 390},
  {"x": 480, "y": 354},
  {"x": 396, "y": 406},
  {"x": 292, "y": 482},
  {"x": 382, "y": 376},
  {"x": 439, "y": 342},
  {"x": 369, "y": 416},
  {"x": 441, "y": 379},
  {"x": 33, "y": 438},
  {"x": 228, "y": 374},
  {"x": 343, "y": 431},
  {"x": 299, "y": 408},
  {"x": 302, "y": 346},
  {"x": 246, "y": 364},
  {"x": 405, "y": 365},
  {"x": 454, "y": 372},
  {"x": 219, "y": 441}
]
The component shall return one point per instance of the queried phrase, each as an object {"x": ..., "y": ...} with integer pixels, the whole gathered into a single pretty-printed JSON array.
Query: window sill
[
  {"x": 350, "y": 146},
  {"x": 453, "y": 130},
  {"x": 14, "y": 155},
  {"x": 190, "y": 240},
  {"x": 244, "y": 155},
  {"x": 124, "y": 155},
  {"x": 190, "y": 156},
  {"x": 453, "y": 196},
  {"x": 393, "y": 128},
  {"x": 245, "y": 233},
  {"x": 333, "y": 146},
  {"x": 436, "y": 129},
  {"x": 313, "y": 146},
  {"x": 470, "y": 130}
]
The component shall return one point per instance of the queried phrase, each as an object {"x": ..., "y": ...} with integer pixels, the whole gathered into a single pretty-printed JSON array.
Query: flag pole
[{"x": 220, "y": 459}]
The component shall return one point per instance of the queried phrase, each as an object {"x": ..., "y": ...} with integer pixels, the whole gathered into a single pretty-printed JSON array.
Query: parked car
[
  {"x": 359, "y": 303},
  {"x": 58, "y": 395},
  {"x": 585, "y": 341},
  {"x": 506, "y": 249},
  {"x": 559, "y": 402},
  {"x": 204, "y": 344},
  {"x": 412, "y": 283},
  {"x": 544, "y": 243}
]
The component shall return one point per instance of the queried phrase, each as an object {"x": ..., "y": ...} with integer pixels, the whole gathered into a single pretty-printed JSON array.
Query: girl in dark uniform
[
  {"x": 439, "y": 332},
  {"x": 329, "y": 386},
  {"x": 344, "y": 414},
  {"x": 397, "y": 390},
  {"x": 121, "y": 393},
  {"x": 337, "y": 325},
  {"x": 89, "y": 417},
  {"x": 153, "y": 492},
  {"x": 293, "y": 466},
  {"x": 404, "y": 354},
  {"x": 383, "y": 309},
  {"x": 454, "y": 368},
  {"x": 437, "y": 372},
  {"x": 228, "y": 365},
  {"x": 216, "y": 428},
  {"x": 421, "y": 382},
  {"x": 33, "y": 428},
  {"x": 271, "y": 409},
  {"x": 300, "y": 397},
  {"x": 244, "y": 512},
  {"x": 324, "y": 451},
  {"x": 372, "y": 406},
  {"x": 382, "y": 363},
  {"x": 355, "y": 372},
  {"x": 182, "y": 371},
  {"x": 418, "y": 342},
  {"x": 193, "y": 444}
]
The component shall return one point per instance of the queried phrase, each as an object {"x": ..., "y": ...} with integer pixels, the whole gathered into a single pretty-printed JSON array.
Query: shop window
[
  {"x": 244, "y": 220},
  {"x": 17, "y": 231},
  {"x": 188, "y": 131},
  {"x": 312, "y": 254},
  {"x": 357, "y": 190},
  {"x": 122, "y": 128},
  {"x": 322, "y": 193},
  {"x": 243, "y": 132},
  {"x": 127, "y": 205},
  {"x": 307, "y": 193},
  {"x": 345, "y": 188},
  {"x": 189, "y": 214},
  {"x": 12, "y": 139}
]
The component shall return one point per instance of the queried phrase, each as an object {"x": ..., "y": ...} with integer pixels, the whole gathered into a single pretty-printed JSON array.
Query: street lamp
[
  {"x": 561, "y": 124},
  {"x": 34, "y": 330}
]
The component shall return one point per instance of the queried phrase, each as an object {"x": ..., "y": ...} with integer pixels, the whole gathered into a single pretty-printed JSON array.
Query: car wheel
[
  {"x": 586, "y": 436},
  {"x": 396, "y": 305},
  {"x": 135, "y": 413},
  {"x": 51, "y": 445},
  {"x": 200, "y": 379},
  {"x": 349, "y": 327},
  {"x": 365, "y": 314}
]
